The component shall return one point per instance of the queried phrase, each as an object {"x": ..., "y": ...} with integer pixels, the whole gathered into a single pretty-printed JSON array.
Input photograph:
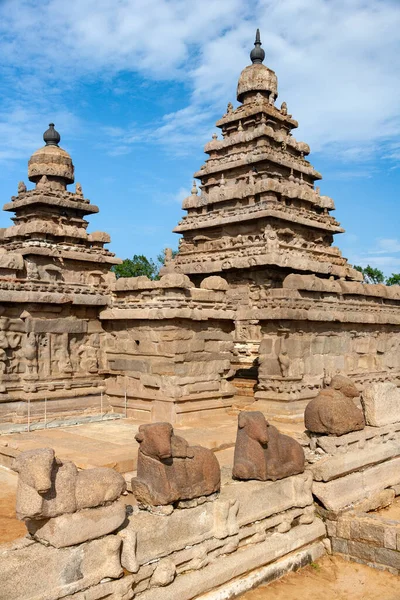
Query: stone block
[
  {"x": 182, "y": 528},
  {"x": 196, "y": 582},
  {"x": 344, "y": 527},
  {"x": 82, "y": 526},
  {"x": 339, "y": 545},
  {"x": 31, "y": 571},
  {"x": 388, "y": 557},
  {"x": 390, "y": 537},
  {"x": 261, "y": 499},
  {"x": 361, "y": 550},
  {"x": 381, "y": 403},
  {"x": 339, "y": 493},
  {"x": 365, "y": 530},
  {"x": 331, "y": 467}
]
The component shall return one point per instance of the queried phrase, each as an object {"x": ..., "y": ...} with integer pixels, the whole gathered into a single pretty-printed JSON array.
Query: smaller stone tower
[{"x": 49, "y": 231}]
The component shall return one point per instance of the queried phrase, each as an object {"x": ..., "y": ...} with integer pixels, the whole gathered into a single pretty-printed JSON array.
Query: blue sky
[{"x": 135, "y": 87}]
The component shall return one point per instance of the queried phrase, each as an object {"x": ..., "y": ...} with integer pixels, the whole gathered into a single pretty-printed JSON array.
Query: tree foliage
[
  {"x": 372, "y": 275},
  {"x": 136, "y": 266},
  {"x": 141, "y": 265}
]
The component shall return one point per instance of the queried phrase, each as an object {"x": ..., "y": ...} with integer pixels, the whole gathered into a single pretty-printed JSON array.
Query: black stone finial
[
  {"x": 257, "y": 55},
  {"x": 51, "y": 136}
]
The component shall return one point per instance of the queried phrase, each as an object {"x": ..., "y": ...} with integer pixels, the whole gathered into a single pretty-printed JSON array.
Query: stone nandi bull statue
[
  {"x": 48, "y": 487},
  {"x": 333, "y": 411},
  {"x": 261, "y": 452},
  {"x": 169, "y": 469}
]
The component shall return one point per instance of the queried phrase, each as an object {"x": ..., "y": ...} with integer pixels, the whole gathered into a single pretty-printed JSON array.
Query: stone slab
[
  {"x": 273, "y": 571},
  {"x": 31, "y": 571},
  {"x": 381, "y": 402},
  {"x": 245, "y": 560},
  {"x": 331, "y": 467},
  {"x": 339, "y": 493},
  {"x": 261, "y": 499},
  {"x": 76, "y": 528},
  {"x": 356, "y": 439}
]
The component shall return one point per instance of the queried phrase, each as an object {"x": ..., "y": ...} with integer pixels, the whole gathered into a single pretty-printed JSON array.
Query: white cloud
[
  {"x": 385, "y": 255},
  {"x": 387, "y": 245},
  {"x": 337, "y": 62}
]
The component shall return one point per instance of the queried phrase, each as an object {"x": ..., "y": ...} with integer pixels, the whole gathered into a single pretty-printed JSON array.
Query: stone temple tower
[
  {"x": 258, "y": 216},
  {"x": 49, "y": 230}
]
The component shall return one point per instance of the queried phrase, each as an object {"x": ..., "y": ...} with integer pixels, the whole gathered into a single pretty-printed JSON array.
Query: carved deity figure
[
  {"x": 78, "y": 189},
  {"x": 3, "y": 354},
  {"x": 229, "y": 107},
  {"x": 21, "y": 187},
  {"x": 89, "y": 360},
  {"x": 284, "y": 108},
  {"x": 284, "y": 363},
  {"x": 32, "y": 271},
  {"x": 29, "y": 349}
]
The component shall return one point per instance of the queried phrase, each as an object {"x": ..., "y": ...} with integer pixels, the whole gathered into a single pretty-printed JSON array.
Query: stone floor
[
  {"x": 112, "y": 444},
  {"x": 331, "y": 578}
]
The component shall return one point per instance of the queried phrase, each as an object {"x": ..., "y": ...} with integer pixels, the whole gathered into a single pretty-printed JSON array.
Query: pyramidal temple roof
[{"x": 257, "y": 214}]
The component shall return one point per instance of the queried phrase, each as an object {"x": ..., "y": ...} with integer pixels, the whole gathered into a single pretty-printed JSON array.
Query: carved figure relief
[{"x": 29, "y": 349}]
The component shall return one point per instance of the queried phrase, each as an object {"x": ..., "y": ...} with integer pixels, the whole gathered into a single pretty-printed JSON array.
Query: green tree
[
  {"x": 135, "y": 266},
  {"x": 394, "y": 279},
  {"x": 370, "y": 274}
]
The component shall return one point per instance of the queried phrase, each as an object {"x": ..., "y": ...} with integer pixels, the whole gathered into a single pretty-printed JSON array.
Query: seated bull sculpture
[
  {"x": 49, "y": 487},
  {"x": 261, "y": 452},
  {"x": 170, "y": 470},
  {"x": 333, "y": 411}
]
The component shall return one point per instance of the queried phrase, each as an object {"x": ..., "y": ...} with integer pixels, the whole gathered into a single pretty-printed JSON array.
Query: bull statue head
[
  {"x": 155, "y": 440},
  {"x": 35, "y": 468},
  {"x": 255, "y": 425}
]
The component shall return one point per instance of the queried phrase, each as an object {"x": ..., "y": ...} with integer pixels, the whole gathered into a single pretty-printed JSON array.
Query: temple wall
[
  {"x": 49, "y": 352},
  {"x": 170, "y": 370}
]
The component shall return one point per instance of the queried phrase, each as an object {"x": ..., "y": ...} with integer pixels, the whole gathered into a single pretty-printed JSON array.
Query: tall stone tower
[{"x": 258, "y": 216}]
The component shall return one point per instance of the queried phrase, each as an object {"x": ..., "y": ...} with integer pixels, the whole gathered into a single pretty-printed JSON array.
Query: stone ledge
[{"x": 339, "y": 493}]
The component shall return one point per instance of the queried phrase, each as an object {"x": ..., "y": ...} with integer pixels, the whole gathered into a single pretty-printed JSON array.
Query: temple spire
[{"x": 257, "y": 55}]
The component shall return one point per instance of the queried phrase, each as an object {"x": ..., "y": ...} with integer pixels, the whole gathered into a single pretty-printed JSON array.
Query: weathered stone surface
[
  {"x": 330, "y": 467},
  {"x": 48, "y": 487},
  {"x": 32, "y": 571},
  {"x": 261, "y": 452},
  {"x": 339, "y": 493},
  {"x": 334, "y": 413},
  {"x": 259, "y": 500},
  {"x": 170, "y": 470},
  {"x": 76, "y": 528},
  {"x": 164, "y": 573},
  {"x": 214, "y": 283},
  {"x": 234, "y": 565},
  {"x": 98, "y": 486},
  {"x": 381, "y": 403}
]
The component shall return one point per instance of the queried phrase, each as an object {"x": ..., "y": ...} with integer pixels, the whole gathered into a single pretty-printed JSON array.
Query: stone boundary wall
[
  {"x": 368, "y": 539},
  {"x": 188, "y": 552}
]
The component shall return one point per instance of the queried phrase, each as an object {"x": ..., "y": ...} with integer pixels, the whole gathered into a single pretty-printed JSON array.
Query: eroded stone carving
[
  {"x": 170, "y": 470},
  {"x": 333, "y": 411},
  {"x": 49, "y": 487},
  {"x": 261, "y": 452}
]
